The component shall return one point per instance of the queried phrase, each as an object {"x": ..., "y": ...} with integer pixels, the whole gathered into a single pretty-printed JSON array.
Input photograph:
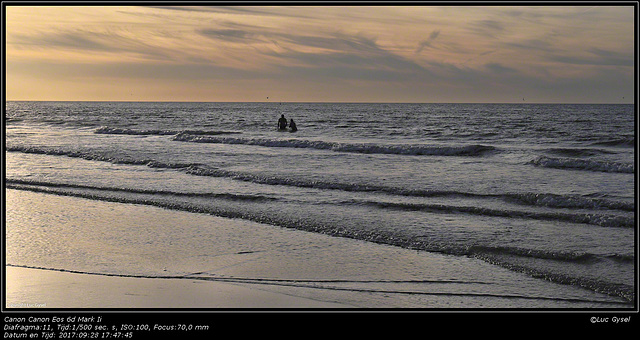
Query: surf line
[{"x": 294, "y": 283}]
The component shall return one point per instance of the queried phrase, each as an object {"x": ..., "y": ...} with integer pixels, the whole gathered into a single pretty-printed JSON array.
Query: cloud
[
  {"x": 612, "y": 58},
  {"x": 428, "y": 42},
  {"x": 237, "y": 10},
  {"x": 81, "y": 41},
  {"x": 232, "y": 35},
  {"x": 497, "y": 68},
  {"x": 78, "y": 40},
  {"x": 335, "y": 55},
  {"x": 537, "y": 45},
  {"x": 382, "y": 49},
  {"x": 343, "y": 56},
  {"x": 487, "y": 28},
  {"x": 597, "y": 57}
]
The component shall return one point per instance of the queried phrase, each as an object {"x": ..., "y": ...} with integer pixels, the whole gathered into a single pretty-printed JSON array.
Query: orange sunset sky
[{"x": 544, "y": 54}]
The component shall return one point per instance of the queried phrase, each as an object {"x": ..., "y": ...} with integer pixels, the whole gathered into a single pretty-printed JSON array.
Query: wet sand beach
[
  {"x": 106, "y": 254},
  {"x": 37, "y": 288}
]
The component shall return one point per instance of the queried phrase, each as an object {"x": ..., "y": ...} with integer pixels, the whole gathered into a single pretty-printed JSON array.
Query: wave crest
[
  {"x": 142, "y": 132},
  {"x": 623, "y": 141},
  {"x": 580, "y": 164},
  {"x": 563, "y": 201},
  {"x": 367, "y": 148},
  {"x": 594, "y": 219},
  {"x": 33, "y": 184}
]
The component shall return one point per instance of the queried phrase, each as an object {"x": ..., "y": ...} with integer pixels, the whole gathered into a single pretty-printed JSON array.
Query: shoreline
[
  {"x": 67, "y": 252},
  {"x": 43, "y": 288}
]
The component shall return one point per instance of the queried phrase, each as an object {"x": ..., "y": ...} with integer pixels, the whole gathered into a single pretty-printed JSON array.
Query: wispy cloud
[
  {"x": 82, "y": 41},
  {"x": 499, "y": 69},
  {"x": 398, "y": 51},
  {"x": 486, "y": 28},
  {"x": 428, "y": 43},
  {"x": 344, "y": 56},
  {"x": 233, "y": 35}
]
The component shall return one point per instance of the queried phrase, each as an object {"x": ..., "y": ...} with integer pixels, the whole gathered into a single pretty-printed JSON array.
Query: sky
[{"x": 417, "y": 54}]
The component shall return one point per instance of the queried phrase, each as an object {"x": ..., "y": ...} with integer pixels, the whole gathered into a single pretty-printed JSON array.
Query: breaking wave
[
  {"x": 530, "y": 199},
  {"x": 629, "y": 141},
  {"x": 564, "y": 201},
  {"x": 18, "y": 183},
  {"x": 500, "y": 255},
  {"x": 578, "y": 152},
  {"x": 595, "y": 219},
  {"x": 142, "y": 132},
  {"x": 366, "y": 148},
  {"x": 580, "y": 164},
  {"x": 106, "y": 194},
  {"x": 96, "y": 157}
]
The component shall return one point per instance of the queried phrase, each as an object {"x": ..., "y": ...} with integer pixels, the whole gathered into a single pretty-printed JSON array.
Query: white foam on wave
[
  {"x": 144, "y": 132},
  {"x": 580, "y": 164},
  {"x": 565, "y": 201},
  {"x": 120, "y": 131},
  {"x": 368, "y": 148}
]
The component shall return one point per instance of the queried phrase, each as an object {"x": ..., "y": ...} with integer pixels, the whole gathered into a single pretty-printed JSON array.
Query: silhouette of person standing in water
[
  {"x": 292, "y": 126},
  {"x": 282, "y": 123}
]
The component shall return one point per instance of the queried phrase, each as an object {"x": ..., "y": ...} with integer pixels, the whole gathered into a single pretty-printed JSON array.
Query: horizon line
[{"x": 312, "y": 102}]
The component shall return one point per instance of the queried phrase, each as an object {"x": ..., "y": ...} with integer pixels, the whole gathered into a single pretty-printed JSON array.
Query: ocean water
[{"x": 543, "y": 190}]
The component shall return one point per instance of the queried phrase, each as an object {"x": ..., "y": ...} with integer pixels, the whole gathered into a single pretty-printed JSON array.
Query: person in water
[
  {"x": 282, "y": 123},
  {"x": 292, "y": 126}
]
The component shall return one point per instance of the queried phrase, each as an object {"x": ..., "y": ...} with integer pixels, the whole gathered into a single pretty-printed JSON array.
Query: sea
[{"x": 542, "y": 190}]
